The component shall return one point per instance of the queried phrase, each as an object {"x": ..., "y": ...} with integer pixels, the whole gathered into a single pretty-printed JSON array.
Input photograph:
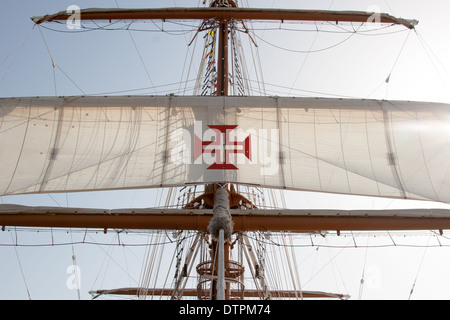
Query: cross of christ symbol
[{"x": 222, "y": 147}]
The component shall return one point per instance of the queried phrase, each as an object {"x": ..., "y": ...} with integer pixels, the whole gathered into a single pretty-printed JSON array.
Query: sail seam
[
  {"x": 425, "y": 160},
  {"x": 370, "y": 154},
  {"x": 20, "y": 154},
  {"x": 343, "y": 152}
]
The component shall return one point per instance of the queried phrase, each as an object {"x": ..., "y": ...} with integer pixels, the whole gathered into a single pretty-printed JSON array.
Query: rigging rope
[
  {"x": 21, "y": 269},
  {"x": 108, "y": 254},
  {"x": 425, "y": 46},
  {"x": 141, "y": 59},
  {"x": 306, "y": 51}
]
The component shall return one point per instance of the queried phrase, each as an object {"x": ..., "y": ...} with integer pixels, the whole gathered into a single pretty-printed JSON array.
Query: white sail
[{"x": 359, "y": 147}]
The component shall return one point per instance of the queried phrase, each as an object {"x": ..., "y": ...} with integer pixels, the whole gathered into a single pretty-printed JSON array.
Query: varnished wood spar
[
  {"x": 249, "y": 293},
  {"x": 250, "y": 220},
  {"x": 227, "y": 14}
]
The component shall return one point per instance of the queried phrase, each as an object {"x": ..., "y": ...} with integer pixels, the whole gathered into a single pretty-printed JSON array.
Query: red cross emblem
[{"x": 222, "y": 147}]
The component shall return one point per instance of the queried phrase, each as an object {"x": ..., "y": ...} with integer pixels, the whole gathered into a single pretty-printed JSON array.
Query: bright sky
[{"x": 98, "y": 62}]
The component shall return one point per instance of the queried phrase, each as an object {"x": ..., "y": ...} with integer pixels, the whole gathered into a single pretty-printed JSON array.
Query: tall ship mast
[{"x": 223, "y": 154}]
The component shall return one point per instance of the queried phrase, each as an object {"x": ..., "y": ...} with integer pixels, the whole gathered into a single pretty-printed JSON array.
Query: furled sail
[{"x": 360, "y": 147}]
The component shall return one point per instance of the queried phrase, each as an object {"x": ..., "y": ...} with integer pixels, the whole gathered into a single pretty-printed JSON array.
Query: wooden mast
[{"x": 221, "y": 248}]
